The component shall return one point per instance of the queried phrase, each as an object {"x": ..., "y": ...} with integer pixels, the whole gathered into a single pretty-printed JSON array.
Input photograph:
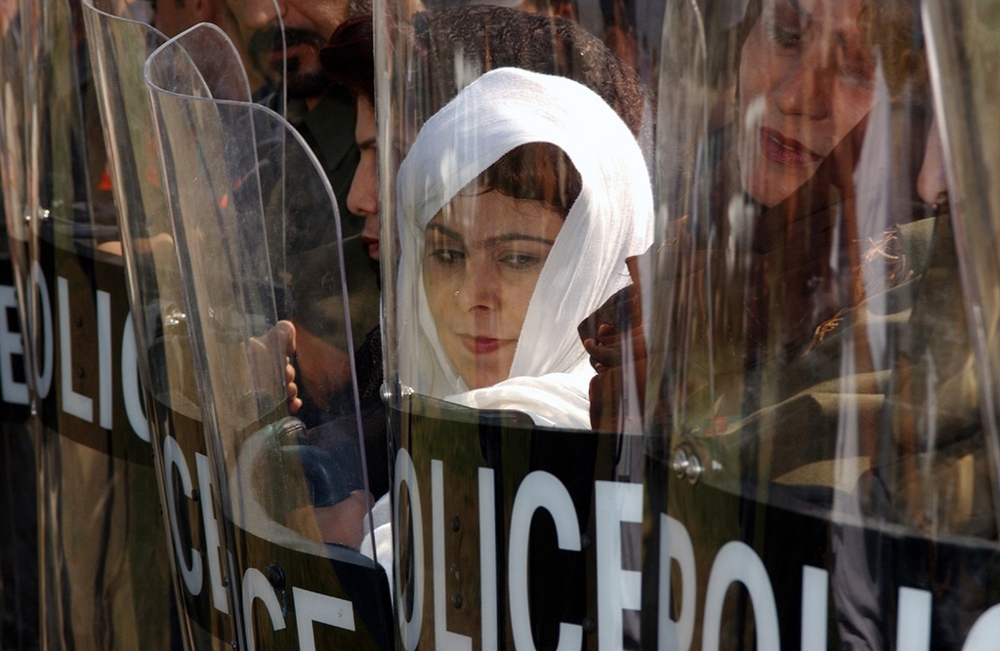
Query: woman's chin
[
  {"x": 480, "y": 362},
  {"x": 771, "y": 182},
  {"x": 485, "y": 374},
  {"x": 481, "y": 380},
  {"x": 770, "y": 194}
]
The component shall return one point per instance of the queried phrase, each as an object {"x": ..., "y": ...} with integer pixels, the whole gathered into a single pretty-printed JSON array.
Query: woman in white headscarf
[{"x": 494, "y": 277}]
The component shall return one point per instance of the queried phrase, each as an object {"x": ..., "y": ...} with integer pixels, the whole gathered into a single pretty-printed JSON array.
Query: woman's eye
[
  {"x": 521, "y": 261},
  {"x": 447, "y": 257},
  {"x": 784, "y": 37}
]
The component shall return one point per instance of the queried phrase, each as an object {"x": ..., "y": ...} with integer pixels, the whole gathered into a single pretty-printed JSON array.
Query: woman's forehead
[
  {"x": 493, "y": 217},
  {"x": 835, "y": 16}
]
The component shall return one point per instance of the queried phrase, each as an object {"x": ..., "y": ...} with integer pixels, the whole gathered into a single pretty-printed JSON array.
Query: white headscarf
[{"x": 610, "y": 220}]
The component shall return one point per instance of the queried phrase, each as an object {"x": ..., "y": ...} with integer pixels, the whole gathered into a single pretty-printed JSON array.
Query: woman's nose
[
  {"x": 932, "y": 184},
  {"x": 362, "y": 198},
  {"x": 480, "y": 288},
  {"x": 806, "y": 88}
]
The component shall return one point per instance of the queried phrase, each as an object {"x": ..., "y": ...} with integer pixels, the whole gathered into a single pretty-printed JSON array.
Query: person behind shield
[
  {"x": 803, "y": 85},
  {"x": 518, "y": 204},
  {"x": 283, "y": 39},
  {"x": 491, "y": 37},
  {"x": 348, "y": 59},
  {"x": 806, "y": 80},
  {"x": 485, "y": 37}
]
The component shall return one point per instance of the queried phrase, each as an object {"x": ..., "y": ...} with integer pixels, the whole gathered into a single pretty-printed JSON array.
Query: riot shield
[
  {"x": 13, "y": 161},
  {"x": 283, "y": 43},
  {"x": 964, "y": 56},
  {"x": 18, "y": 510},
  {"x": 18, "y": 426},
  {"x": 819, "y": 438},
  {"x": 102, "y": 545},
  {"x": 119, "y": 46},
  {"x": 295, "y": 499},
  {"x": 514, "y": 191}
]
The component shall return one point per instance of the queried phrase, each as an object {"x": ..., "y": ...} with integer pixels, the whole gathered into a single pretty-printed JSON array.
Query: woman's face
[
  {"x": 362, "y": 199},
  {"x": 806, "y": 79},
  {"x": 482, "y": 258}
]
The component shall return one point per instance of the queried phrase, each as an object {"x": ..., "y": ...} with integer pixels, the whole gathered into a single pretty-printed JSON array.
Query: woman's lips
[
  {"x": 372, "y": 244},
  {"x": 483, "y": 345},
  {"x": 786, "y": 151}
]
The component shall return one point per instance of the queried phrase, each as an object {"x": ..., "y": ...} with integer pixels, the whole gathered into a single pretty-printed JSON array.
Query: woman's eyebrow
[
  {"x": 516, "y": 237},
  {"x": 444, "y": 230},
  {"x": 491, "y": 241}
]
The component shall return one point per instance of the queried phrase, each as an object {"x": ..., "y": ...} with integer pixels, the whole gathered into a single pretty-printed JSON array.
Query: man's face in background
[{"x": 307, "y": 26}]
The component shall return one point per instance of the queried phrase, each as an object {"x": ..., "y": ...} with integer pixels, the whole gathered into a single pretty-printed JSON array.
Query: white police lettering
[
  {"x": 193, "y": 572},
  {"x": 256, "y": 586},
  {"x": 985, "y": 632},
  {"x": 675, "y": 544},
  {"x": 617, "y": 589},
  {"x": 539, "y": 490},
  {"x": 46, "y": 358},
  {"x": 131, "y": 387},
  {"x": 488, "y": 558},
  {"x": 11, "y": 391},
  {"x": 312, "y": 607},
  {"x": 913, "y": 625},
  {"x": 737, "y": 561},
  {"x": 104, "y": 357},
  {"x": 211, "y": 526},
  {"x": 77, "y": 404},
  {"x": 620, "y": 589},
  {"x": 173, "y": 457},
  {"x": 815, "y": 595}
]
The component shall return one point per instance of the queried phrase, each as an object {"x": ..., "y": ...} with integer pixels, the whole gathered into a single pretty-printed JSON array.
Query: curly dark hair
[
  {"x": 537, "y": 171},
  {"x": 487, "y": 37}
]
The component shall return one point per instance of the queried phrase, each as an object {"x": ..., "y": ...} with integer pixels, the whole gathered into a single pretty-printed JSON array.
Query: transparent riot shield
[
  {"x": 964, "y": 59},
  {"x": 295, "y": 500},
  {"x": 282, "y": 43},
  {"x": 13, "y": 160},
  {"x": 104, "y": 575},
  {"x": 119, "y": 46},
  {"x": 819, "y": 439},
  {"x": 19, "y": 622},
  {"x": 18, "y": 510},
  {"x": 514, "y": 194}
]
